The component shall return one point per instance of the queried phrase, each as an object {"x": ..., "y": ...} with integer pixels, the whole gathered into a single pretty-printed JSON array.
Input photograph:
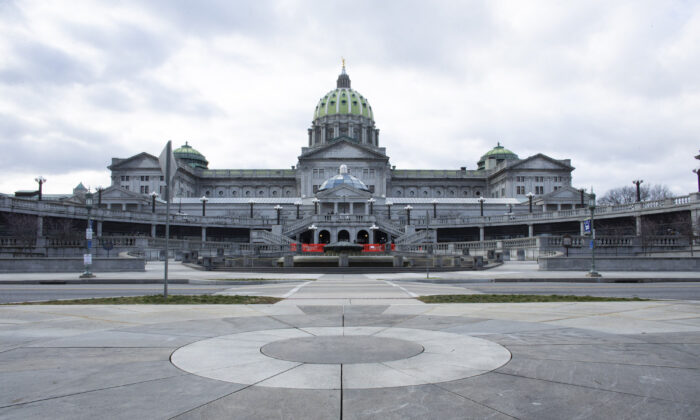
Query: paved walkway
[{"x": 352, "y": 347}]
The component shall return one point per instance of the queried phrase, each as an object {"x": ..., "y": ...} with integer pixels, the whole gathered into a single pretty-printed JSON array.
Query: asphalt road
[{"x": 346, "y": 287}]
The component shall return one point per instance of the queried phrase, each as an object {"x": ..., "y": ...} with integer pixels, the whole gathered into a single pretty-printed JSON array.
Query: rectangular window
[
  {"x": 126, "y": 187},
  {"x": 315, "y": 189},
  {"x": 371, "y": 173},
  {"x": 371, "y": 189},
  {"x": 365, "y": 172},
  {"x": 145, "y": 189},
  {"x": 539, "y": 189},
  {"x": 162, "y": 178}
]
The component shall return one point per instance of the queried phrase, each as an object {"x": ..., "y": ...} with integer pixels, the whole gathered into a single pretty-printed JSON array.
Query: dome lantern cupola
[{"x": 343, "y": 79}]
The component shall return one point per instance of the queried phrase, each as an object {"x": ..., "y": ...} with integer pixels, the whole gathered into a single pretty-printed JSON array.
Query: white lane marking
[
  {"x": 296, "y": 289},
  {"x": 411, "y": 294}
]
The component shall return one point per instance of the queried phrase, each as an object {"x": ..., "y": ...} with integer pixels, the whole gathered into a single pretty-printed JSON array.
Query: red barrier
[{"x": 312, "y": 247}]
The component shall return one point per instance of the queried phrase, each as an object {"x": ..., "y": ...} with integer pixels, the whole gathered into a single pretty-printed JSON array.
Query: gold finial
[{"x": 343, "y": 60}]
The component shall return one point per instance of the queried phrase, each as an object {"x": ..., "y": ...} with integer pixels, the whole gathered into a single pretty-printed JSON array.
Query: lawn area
[
  {"x": 488, "y": 298},
  {"x": 158, "y": 300}
]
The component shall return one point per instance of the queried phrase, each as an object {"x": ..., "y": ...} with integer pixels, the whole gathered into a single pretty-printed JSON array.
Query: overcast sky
[{"x": 612, "y": 85}]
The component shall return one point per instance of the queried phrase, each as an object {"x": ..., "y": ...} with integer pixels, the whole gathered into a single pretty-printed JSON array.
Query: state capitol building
[{"x": 343, "y": 170}]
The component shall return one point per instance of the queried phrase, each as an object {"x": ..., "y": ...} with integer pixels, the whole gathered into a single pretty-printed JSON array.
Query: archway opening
[
  {"x": 362, "y": 237},
  {"x": 344, "y": 235},
  {"x": 324, "y": 237}
]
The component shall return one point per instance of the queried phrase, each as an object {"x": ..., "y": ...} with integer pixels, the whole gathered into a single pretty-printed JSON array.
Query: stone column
[
  {"x": 481, "y": 233},
  {"x": 336, "y": 130},
  {"x": 352, "y": 207},
  {"x": 364, "y": 134},
  {"x": 99, "y": 229},
  {"x": 123, "y": 206},
  {"x": 153, "y": 230},
  {"x": 310, "y": 137},
  {"x": 39, "y": 226},
  {"x": 581, "y": 232},
  {"x": 204, "y": 233},
  {"x": 638, "y": 225},
  {"x": 335, "y": 208},
  {"x": 530, "y": 230},
  {"x": 316, "y": 236},
  {"x": 324, "y": 135}
]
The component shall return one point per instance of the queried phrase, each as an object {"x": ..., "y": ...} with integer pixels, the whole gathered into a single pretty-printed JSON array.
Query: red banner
[{"x": 319, "y": 247}]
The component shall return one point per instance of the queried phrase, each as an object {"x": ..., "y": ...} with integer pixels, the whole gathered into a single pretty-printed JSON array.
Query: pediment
[
  {"x": 540, "y": 162},
  {"x": 118, "y": 193},
  {"x": 344, "y": 191},
  {"x": 140, "y": 161},
  {"x": 342, "y": 149}
]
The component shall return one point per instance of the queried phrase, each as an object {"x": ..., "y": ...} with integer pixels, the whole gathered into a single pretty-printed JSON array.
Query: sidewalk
[{"x": 512, "y": 271}]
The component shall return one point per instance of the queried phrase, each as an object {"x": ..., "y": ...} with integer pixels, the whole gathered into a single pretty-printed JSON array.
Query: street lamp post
[
  {"x": 388, "y": 208},
  {"x": 252, "y": 203},
  {"x": 435, "y": 203},
  {"x": 481, "y": 205},
  {"x": 529, "y": 197},
  {"x": 371, "y": 201},
  {"x": 298, "y": 204},
  {"x": 315, "y": 201},
  {"x": 41, "y": 180},
  {"x": 638, "y": 182},
  {"x": 153, "y": 201},
  {"x": 408, "y": 209},
  {"x": 591, "y": 206},
  {"x": 87, "y": 258},
  {"x": 204, "y": 200},
  {"x": 278, "y": 209},
  {"x": 313, "y": 228}
]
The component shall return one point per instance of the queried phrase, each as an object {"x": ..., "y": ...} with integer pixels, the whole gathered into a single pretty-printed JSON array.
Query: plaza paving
[{"x": 352, "y": 347}]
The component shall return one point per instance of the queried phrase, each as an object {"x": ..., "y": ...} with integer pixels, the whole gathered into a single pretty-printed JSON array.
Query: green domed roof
[
  {"x": 191, "y": 156},
  {"x": 499, "y": 153},
  {"x": 343, "y": 101}
]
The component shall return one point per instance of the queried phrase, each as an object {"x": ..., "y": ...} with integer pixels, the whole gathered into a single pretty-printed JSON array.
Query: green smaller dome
[
  {"x": 191, "y": 156},
  {"x": 497, "y": 155}
]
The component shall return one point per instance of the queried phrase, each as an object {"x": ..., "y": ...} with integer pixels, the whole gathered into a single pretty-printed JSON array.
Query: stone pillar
[
  {"x": 530, "y": 231},
  {"x": 39, "y": 226},
  {"x": 335, "y": 208},
  {"x": 310, "y": 136},
  {"x": 398, "y": 261},
  {"x": 343, "y": 260},
  {"x": 481, "y": 233},
  {"x": 364, "y": 134},
  {"x": 123, "y": 206},
  {"x": 352, "y": 207},
  {"x": 316, "y": 236},
  {"x": 153, "y": 230},
  {"x": 204, "y": 233},
  {"x": 351, "y": 130},
  {"x": 324, "y": 133},
  {"x": 638, "y": 225},
  {"x": 99, "y": 228},
  {"x": 336, "y": 130},
  {"x": 581, "y": 232},
  {"x": 288, "y": 261}
]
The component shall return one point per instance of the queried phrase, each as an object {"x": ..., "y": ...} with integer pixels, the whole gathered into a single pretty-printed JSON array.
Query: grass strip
[
  {"x": 158, "y": 300},
  {"x": 488, "y": 298}
]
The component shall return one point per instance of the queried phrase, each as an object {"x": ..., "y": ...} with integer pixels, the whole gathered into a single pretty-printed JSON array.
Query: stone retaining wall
[
  {"x": 623, "y": 263},
  {"x": 68, "y": 265}
]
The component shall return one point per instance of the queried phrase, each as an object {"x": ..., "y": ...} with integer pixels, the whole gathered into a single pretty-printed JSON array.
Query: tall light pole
[
  {"x": 41, "y": 180},
  {"x": 153, "y": 201},
  {"x": 315, "y": 201},
  {"x": 298, "y": 204},
  {"x": 529, "y": 197},
  {"x": 408, "y": 209},
  {"x": 204, "y": 200},
  {"x": 638, "y": 182},
  {"x": 313, "y": 228},
  {"x": 388, "y": 208},
  {"x": 481, "y": 205},
  {"x": 87, "y": 258},
  {"x": 591, "y": 206},
  {"x": 278, "y": 209},
  {"x": 252, "y": 203},
  {"x": 371, "y": 201},
  {"x": 435, "y": 203}
]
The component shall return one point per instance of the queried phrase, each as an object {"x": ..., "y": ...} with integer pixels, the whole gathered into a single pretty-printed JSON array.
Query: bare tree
[
  {"x": 23, "y": 228},
  {"x": 626, "y": 195}
]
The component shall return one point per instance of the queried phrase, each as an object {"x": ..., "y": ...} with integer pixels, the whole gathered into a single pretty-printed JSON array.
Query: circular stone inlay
[
  {"x": 342, "y": 349},
  {"x": 340, "y": 357}
]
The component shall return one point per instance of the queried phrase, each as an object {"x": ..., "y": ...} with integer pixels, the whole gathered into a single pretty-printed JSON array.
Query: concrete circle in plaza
[
  {"x": 343, "y": 349},
  {"x": 340, "y": 357}
]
